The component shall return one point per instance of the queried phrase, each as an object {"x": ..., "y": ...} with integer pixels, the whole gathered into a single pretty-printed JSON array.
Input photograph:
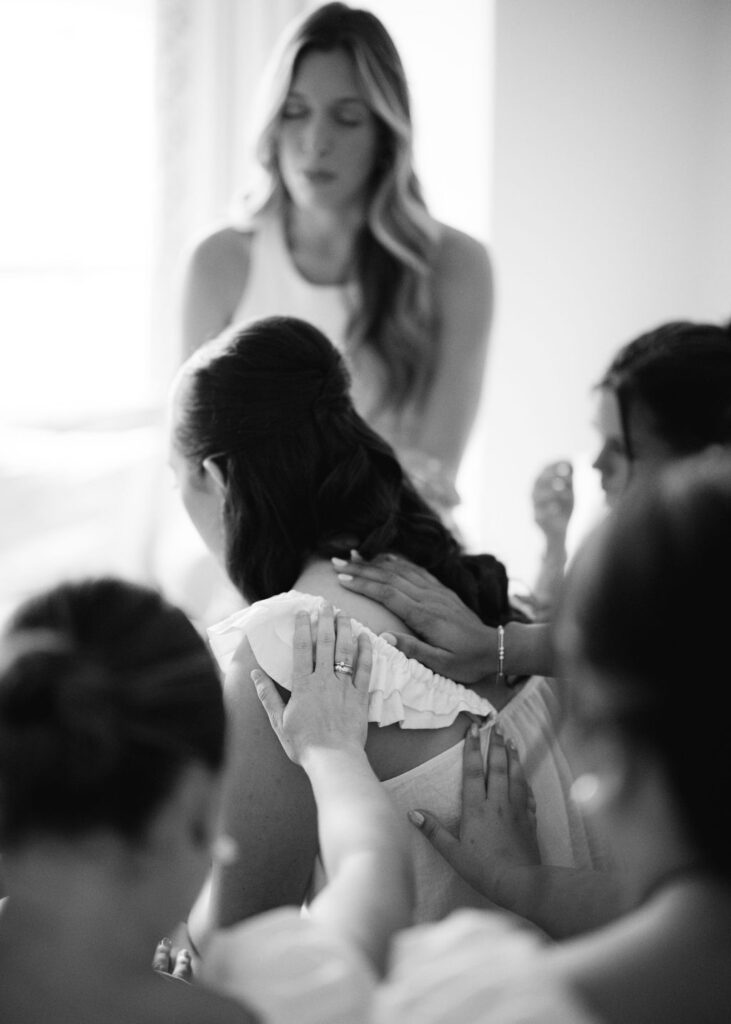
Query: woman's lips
[{"x": 319, "y": 177}]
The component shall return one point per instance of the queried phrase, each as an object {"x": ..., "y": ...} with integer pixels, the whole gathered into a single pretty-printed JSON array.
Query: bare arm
[
  {"x": 553, "y": 503},
  {"x": 214, "y": 283},
  {"x": 364, "y": 842},
  {"x": 268, "y": 809}
]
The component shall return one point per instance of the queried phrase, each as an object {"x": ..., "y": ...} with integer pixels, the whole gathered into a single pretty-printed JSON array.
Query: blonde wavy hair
[{"x": 395, "y": 251}]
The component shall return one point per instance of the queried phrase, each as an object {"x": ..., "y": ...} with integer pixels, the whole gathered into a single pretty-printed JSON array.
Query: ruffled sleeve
[{"x": 402, "y": 690}]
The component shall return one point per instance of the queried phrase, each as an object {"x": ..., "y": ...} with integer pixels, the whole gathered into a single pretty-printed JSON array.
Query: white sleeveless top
[
  {"x": 275, "y": 286},
  {"x": 405, "y": 692}
]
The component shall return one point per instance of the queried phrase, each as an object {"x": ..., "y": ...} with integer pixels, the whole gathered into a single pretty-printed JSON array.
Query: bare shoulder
[
  {"x": 459, "y": 253},
  {"x": 225, "y": 251}
]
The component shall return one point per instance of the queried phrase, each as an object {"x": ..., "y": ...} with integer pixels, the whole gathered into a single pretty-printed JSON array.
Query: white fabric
[
  {"x": 474, "y": 968},
  {"x": 402, "y": 691},
  {"x": 275, "y": 286},
  {"x": 290, "y": 970}
]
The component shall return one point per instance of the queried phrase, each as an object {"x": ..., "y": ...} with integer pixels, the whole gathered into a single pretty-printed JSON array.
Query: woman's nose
[{"x": 318, "y": 137}]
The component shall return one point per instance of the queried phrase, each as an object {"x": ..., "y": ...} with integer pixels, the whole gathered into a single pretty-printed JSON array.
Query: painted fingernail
[
  {"x": 355, "y": 555},
  {"x": 344, "y": 577},
  {"x": 389, "y": 638},
  {"x": 339, "y": 563},
  {"x": 416, "y": 818},
  {"x": 474, "y": 730}
]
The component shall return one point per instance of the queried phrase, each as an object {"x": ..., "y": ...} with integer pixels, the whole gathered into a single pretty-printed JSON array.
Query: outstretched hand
[
  {"x": 498, "y": 826},
  {"x": 450, "y": 640},
  {"x": 331, "y": 675},
  {"x": 553, "y": 500}
]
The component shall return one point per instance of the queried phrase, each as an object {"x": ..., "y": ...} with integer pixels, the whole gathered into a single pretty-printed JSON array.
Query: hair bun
[{"x": 33, "y": 667}]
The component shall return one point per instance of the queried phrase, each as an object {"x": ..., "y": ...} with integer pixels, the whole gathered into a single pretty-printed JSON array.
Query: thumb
[
  {"x": 272, "y": 703},
  {"x": 440, "y": 837},
  {"x": 412, "y": 647}
]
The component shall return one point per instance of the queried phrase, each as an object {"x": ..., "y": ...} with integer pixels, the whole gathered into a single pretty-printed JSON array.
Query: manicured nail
[
  {"x": 345, "y": 577},
  {"x": 339, "y": 563},
  {"x": 355, "y": 555},
  {"x": 474, "y": 730},
  {"x": 256, "y": 675},
  {"x": 389, "y": 638},
  {"x": 416, "y": 818}
]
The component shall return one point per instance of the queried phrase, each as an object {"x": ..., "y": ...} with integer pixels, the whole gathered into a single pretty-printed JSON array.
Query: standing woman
[{"x": 338, "y": 234}]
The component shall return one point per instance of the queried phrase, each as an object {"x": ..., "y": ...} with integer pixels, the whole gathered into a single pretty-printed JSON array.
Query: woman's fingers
[
  {"x": 473, "y": 770},
  {"x": 182, "y": 968},
  {"x": 440, "y": 837},
  {"x": 272, "y": 703},
  {"x": 161, "y": 959},
  {"x": 496, "y": 774},
  {"x": 520, "y": 793},
  {"x": 325, "y": 639},
  {"x": 302, "y": 645},
  {"x": 363, "y": 664},
  {"x": 344, "y": 647}
]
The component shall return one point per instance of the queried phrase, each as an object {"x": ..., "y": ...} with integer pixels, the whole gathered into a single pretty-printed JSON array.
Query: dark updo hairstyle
[
  {"x": 639, "y": 617},
  {"x": 680, "y": 373},
  {"x": 305, "y": 474},
  {"x": 106, "y": 693}
]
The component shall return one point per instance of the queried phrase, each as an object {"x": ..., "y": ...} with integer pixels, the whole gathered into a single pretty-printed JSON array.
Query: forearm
[
  {"x": 365, "y": 847},
  {"x": 355, "y": 813},
  {"x": 550, "y": 578},
  {"x": 563, "y": 902}
]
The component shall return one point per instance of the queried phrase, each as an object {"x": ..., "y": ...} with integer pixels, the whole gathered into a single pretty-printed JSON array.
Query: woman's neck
[
  {"x": 321, "y": 242},
  {"x": 320, "y": 578}
]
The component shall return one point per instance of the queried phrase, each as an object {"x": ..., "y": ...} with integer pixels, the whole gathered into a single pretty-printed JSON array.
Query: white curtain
[{"x": 210, "y": 55}]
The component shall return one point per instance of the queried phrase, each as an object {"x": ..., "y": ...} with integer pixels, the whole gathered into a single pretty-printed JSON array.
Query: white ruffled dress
[{"x": 405, "y": 692}]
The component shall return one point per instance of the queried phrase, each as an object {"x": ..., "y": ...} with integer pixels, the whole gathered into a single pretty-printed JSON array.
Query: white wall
[{"x": 610, "y": 214}]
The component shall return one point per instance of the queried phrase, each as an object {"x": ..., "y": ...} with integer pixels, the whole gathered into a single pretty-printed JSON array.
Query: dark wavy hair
[
  {"x": 680, "y": 372},
  {"x": 106, "y": 693},
  {"x": 634, "y": 606},
  {"x": 270, "y": 404}
]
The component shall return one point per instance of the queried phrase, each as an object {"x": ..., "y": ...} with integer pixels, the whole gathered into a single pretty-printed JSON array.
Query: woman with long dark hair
[{"x": 279, "y": 473}]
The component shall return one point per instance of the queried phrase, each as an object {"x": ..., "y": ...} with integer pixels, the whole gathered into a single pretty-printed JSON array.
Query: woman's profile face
[
  {"x": 328, "y": 136},
  {"x": 649, "y": 450},
  {"x": 612, "y": 463}
]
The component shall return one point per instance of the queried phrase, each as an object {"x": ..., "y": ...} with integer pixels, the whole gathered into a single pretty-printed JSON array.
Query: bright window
[{"x": 76, "y": 206}]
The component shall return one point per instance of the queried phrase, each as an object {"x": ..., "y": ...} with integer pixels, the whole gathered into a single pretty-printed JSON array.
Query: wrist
[{"x": 320, "y": 757}]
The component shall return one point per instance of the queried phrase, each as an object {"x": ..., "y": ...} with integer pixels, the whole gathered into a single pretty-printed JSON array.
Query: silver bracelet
[{"x": 501, "y": 654}]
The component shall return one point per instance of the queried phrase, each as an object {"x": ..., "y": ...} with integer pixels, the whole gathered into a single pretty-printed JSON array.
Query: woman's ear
[{"x": 215, "y": 473}]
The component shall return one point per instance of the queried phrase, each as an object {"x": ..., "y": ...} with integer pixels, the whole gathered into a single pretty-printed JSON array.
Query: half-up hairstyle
[
  {"x": 106, "y": 693},
  {"x": 305, "y": 475},
  {"x": 680, "y": 373},
  {"x": 396, "y": 249}
]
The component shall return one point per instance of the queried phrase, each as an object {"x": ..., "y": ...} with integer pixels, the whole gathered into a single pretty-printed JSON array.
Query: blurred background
[{"x": 586, "y": 142}]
